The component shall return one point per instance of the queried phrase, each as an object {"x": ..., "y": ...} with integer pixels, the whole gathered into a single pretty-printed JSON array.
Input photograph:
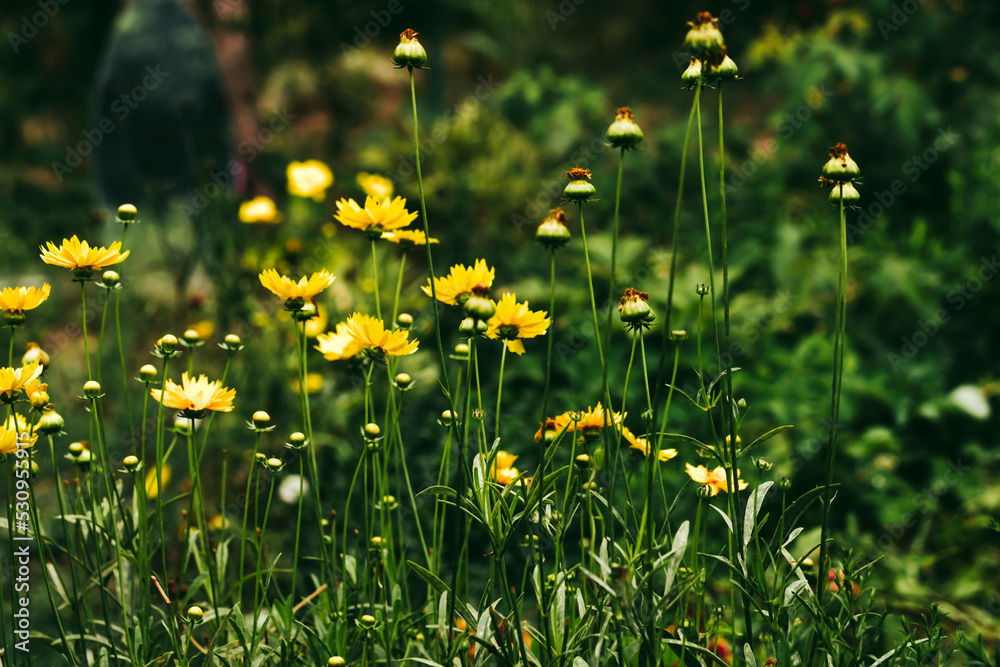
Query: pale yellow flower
[
  {"x": 339, "y": 344},
  {"x": 309, "y": 179},
  {"x": 371, "y": 333},
  {"x": 407, "y": 238},
  {"x": 194, "y": 396},
  {"x": 260, "y": 210},
  {"x": 715, "y": 480},
  {"x": 286, "y": 288},
  {"x": 375, "y": 185},
  {"x": 13, "y": 380},
  {"x": 641, "y": 446},
  {"x": 454, "y": 288},
  {"x": 20, "y": 299},
  {"x": 81, "y": 257},
  {"x": 512, "y": 321},
  {"x": 378, "y": 215}
]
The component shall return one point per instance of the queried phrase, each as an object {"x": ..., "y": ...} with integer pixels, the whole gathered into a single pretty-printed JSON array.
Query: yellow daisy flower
[
  {"x": 407, "y": 238},
  {"x": 339, "y": 344},
  {"x": 11, "y": 436},
  {"x": 309, "y": 179},
  {"x": 13, "y": 380},
  {"x": 289, "y": 290},
  {"x": 377, "y": 215},
  {"x": 503, "y": 470},
  {"x": 375, "y": 185},
  {"x": 194, "y": 397},
  {"x": 715, "y": 480},
  {"x": 641, "y": 446},
  {"x": 512, "y": 321},
  {"x": 370, "y": 332},
  {"x": 81, "y": 257},
  {"x": 20, "y": 299},
  {"x": 595, "y": 419},
  {"x": 152, "y": 490},
  {"x": 506, "y": 476},
  {"x": 260, "y": 209},
  {"x": 456, "y": 287}
]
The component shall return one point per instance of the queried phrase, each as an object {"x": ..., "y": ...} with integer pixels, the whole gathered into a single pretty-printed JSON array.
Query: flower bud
[
  {"x": 467, "y": 327},
  {"x": 166, "y": 345},
  {"x": 582, "y": 461},
  {"x": 692, "y": 74},
  {"x": 763, "y": 465},
  {"x": 77, "y": 448},
  {"x": 127, "y": 213},
  {"x": 721, "y": 67},
  {"x": 479, "y": 307},
  {"x": 192, "y": 338},
  {"x": 39, "y": 399},
  {"x": 624, "y": 132},
  {"x": 297, "y": 440},
  {"x": 183, "y": 425},
  {"x": 579, "y": 188},
  {"x": 147, "y": 373},
  {"x": 195, "y": 614},
  {"x": 553, "y": 233},
  {"x": 131, "y": 463},
  {"x": 372, "y": 431},
  {"x": 261, "y": 419},
  {"x": 446, "y": 418},
  {"x": 840, "y": 166},
  {"x": 678, "y": 334},
  {"x": 50, "y": 423},
  {"x": 306, "y": 312},
  {"x": 634, "y": 310},
  {"x": 232, "y": 343},
  {"x": 461, "y": 351},
  {"x": 35, "y": 353},
  {"x": 389, "y": 502},
  {"x": 702, "y": 289},
  {"x": 403, "y": 381},
  {"x": 845, "y": 190},
  {"x": 404, "y": 321},
  {"x": 92, "y": 389},
  {"x": 336, "y": 661},
  {"x": 704, "y": 491},
  {"x": 784, "y": 484},
  {"x": 367, "y": 621},
  {"x": 274, "y": 464},
  {"x": 376, "y": 543},
  {"x": 409, "y": 52},
  {"x": 110, "y": 279},
  {"x": 704, "y": 37}
]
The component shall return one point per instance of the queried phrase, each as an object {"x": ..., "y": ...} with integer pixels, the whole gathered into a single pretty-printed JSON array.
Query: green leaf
[
  {"x": 432, "y": 579},
  {"x": 767, "y": 436}
]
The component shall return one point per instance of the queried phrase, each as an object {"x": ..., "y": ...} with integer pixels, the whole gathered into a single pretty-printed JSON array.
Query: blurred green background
[{"x": 517, "y": 93}]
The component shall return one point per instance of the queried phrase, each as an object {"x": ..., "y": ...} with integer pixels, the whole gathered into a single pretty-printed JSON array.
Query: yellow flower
[
  {"x": 503, "y": 470},
  {"x": 407, "y": 238},
  {"x": 81, "y": 257},
  {"x": 715, "y": 480},
  {"x": 375, "y": 185},
  {"x": 314, "y": 382},
  {"x": 379, "y": 215},
  {"x": 456, "y": 287},
  {"x": 338, "y": 344},
  {"x": 506, "y": 475},
  {"x": 309, "y": 179},
  {"x": 641, "y": 446},
  {"x": 151, "y": 487},
  {"x": 13, "y": 380},
  {"x": 504, "y": 460},
  {"x": 513, "y": 321},
  {"x": 259, "y": 209},
  {"x": 194, "y": 397},
  {"x": 37, "y": 393},
  {"x": 12, "y": 435},
  {"x": 594, "y": 418},
  {"x": 316, "y": 324},
  {"x": 372, "y": 335},
  {"x": 20, "y": 299},
  {"x": 286, "y": 288}
]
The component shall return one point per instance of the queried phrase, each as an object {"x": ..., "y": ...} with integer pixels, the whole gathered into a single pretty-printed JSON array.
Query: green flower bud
[
  {"x": 232, "y": 343},
  {"x": 167, "y": 345},
  {"x": 261, "y": 419},
  {"x": 692, "y": 74},
  {"x": 191, "y": 338},
  {"x": 579, "y": 188},
  {"x": 845, "y": 190},
  {"x": 131, "y": 463},
  {"x": 840, "y": 166},
  {"x": 367, "y": 621},
  {"x": 403, "y": 381},
  {"x": 372, "y": 431},
  {"x": 127, "y": 213},
  {"x": 409, "y": 52},
  {"x": 195, "y": 614},
  {"x": 404, "y": 321},
  {"x": 553, "y": 232},
  {"x": 297, "y": 440},
  {"x": 624, "y": 131},
  {"x": 376, "y": 543},
  {"x": 582, "y": 461},
  {"x": 479, "y": 307},
  {"x": 110, "y": 279},
  {"x": 147, "y": 373},
  {"x": 704, "y": 37},
  {"x": 721, "y": 67},
  {"x": 92, "y": 389},
  {"x": 50, "y": 423},
  {"x": 336, "y": 661},
  {"x": 446, "y": 418},
  {"x": 461, "y": 351}
]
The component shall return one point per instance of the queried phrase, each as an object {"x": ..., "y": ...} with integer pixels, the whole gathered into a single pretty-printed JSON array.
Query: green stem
[
  {"x": 552, "y": 322},
  {"x": 399, "y": 287},
  {"x": 378, "y": 304},
  {"x": 83, "y": 311},
  {"x": 503, "y": 360}
]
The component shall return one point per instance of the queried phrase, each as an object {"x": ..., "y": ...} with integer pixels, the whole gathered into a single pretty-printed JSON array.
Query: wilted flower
[
  {"x": 259, "y": 209},
  {"x": 704, "y": 37},
  {"x": 553, "y": 232},
  {"x": 309, "y": 179},
  {"x": 634, "y": 310},
  {"x": 579, "y": 188},
  {"x": 409, "y": 52},
  {"x": 840, "y": 166},
  {"x": 624, "y": 132}
]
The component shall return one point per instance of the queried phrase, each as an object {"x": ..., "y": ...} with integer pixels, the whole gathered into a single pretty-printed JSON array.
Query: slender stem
[
  {"x": 83, "y": 311},
  {"x": 614, "y": 245},
  {"x": 399, "y": 285},
  {"x": 838, "y": 377},
  {"x": 503, "y": 360},
  {"x": 246, "y": 513},
  {"x": 708, "y": 235},
  {"x": 378, "y": 304},
  {"x": 552, "y": 321}
]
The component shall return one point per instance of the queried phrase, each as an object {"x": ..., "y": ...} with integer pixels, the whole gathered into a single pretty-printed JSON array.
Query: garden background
[{"x": 518, "y": 92}]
